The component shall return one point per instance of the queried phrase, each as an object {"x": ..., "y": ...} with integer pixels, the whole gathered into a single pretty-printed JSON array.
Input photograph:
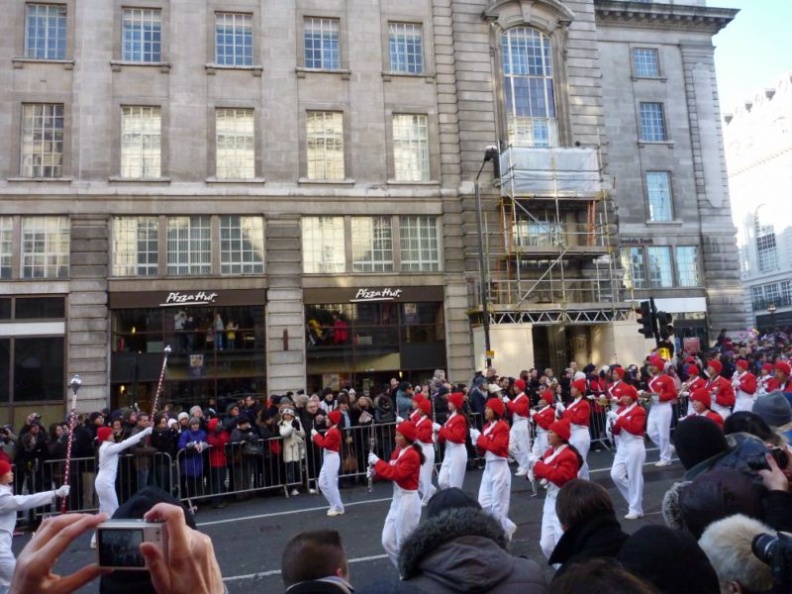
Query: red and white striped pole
[{"x": 75, "y": 384}]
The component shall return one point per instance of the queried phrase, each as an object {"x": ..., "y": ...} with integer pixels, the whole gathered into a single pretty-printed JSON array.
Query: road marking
[
  {"x": 253, "y": 576},
  {"x": 289, "y": 512}
]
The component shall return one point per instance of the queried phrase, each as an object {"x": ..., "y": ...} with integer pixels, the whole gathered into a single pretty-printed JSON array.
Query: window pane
[
  {"x": 766, "y": 251},
  {"x": 406, "y": 48},
  {"x": 537, "y": 233},
  {"x": 189, "y": 245},
  {"x": 38, "y": 369},
  {"x": 321, "y": 44},
  {"x": 45, "y": 247},
  {"x": 135, "y": 246},
  {"x": 38, "y": 308},
  {"x": 141, "y": 134},
  {"x": 323, "y": 244},
  {"x": 419, "y": 244},
  {"x": 658, "y": 190},
  {"x": 646, "y": 63},
  {"x": 634, "y": 267},
  {"x": 6, "y": 246},
  {"x": 325, "y": 145},
  {"x": 142, "y": 35},
  {"x": 45, "y": 31},
  {"x": 233, "y": 39},
  {"x": 241, "y": 245},
  {"x": 660, "y": 275},
  {"x": 411, "y": 147},
  {"x": 372, "y": 244},
  {"x": 42, "y": 140},
  {"x": 687, "y": 266},
  {"x": 235, "y": 144},
  {"x": 653, "y": 122}
]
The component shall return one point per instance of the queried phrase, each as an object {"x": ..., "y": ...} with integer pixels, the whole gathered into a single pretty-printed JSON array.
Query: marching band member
[
  {"x": 520, "y": 434},
  {"x": 663, "y": 393},
  {"x": 579, "y": 414},
  {"x": 764, "y": 379},
  {"x": 694, "y": 382},
  {"x": 744, "y": 383},
  {"x": 781, "y": 380},
  {"x": 557, "y": 466},
  {"x": 423, "y": 427},
  {"x": 543, "y": 417},
  {"x": 720, "y": 388},
  {"x": 404, "y": 469},
  {"x": 330, "y": 442},
  {"x": 453, "y": 433},
  {"x": 629, "y": 422},
  {"x": 495, "y": 489},
  {"x": 701, "y": 401},
  {"x": 617, "y": 385},
  {"x": 415, "y": 414}
]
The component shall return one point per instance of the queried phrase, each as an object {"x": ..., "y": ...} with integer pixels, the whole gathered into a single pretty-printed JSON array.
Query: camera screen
[{"x": 120, "y": 547}]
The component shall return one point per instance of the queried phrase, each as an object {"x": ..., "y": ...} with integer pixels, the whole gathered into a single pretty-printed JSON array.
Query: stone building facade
[{"x": 284, "y": 192}]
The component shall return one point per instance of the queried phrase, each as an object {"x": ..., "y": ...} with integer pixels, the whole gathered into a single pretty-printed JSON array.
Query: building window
[
  {"x": 135, "y": 246},
  {"x": 241, "y": 245},
  {"x": 323, "y": 245},
  {"x": 372, "y": 244},
  {"x": 528, "y": 88},
  {"x": 658, "y": 190},
  {"x": 42, "y": 140},
  {"x": 189, "y": 245},
  {"x": 411, "y": 147},
  {"x": 325, "y": 144},
  {"x": 634, "y": 267},
  {"x": 660, "y": 270},
  {"x": 687, "y": 265},
  {"x": 406, "y": 48},
  {"x": 419, "y": 244},
  {"x": 766, "y": 251},
  {"x": 233, "y": 39},
  {"x": 757, "y": 298},
  {"x": 235, "y": 143},
  {"x": 141, "y": 137},
  {"x": 537, "y": 233},
  {"x": 45, "y": 31},
  {"x": 45, "y": 247},
  {"x": 142, "y": 35},
  {"x": 322, "y": 49},
  {"x": 646, "y": 63},
  {"x": 6, "y": 246},
  {"x": 653, "y": 122}
]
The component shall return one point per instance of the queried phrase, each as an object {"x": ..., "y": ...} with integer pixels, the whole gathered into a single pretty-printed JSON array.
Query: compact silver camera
[{"x": 118, "y": 542}]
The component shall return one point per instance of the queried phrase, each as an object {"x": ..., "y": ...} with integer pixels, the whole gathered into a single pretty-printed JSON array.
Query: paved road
[{"x": 249, "y": 536}]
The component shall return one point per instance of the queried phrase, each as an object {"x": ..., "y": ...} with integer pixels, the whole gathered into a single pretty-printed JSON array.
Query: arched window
[{"x": 528, "y": 88}]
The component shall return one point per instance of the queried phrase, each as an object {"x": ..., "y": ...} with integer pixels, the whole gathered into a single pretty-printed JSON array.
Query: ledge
[
  {"x": 115, "y": 179},
  {"x": 40, "y": 180},
  {"x": 256, "y": 70},
  {"x": 344, "y": 73},
  {"x": 661, "y": 79},
  {"x": 251, "y": 180},
  {"x": 20, "y": 62},
  {"x": 117, "y": 65},
  {"x": 395, "y": 182},
  {"x": 644, "y": 143},
  {"x": 388, "y": 75},
  {"x": 675, "y": 222},
  {"x": 326, "y": 182}
]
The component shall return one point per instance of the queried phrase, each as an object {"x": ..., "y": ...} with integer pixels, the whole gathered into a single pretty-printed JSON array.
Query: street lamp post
[{"x": 771, "y": 309}]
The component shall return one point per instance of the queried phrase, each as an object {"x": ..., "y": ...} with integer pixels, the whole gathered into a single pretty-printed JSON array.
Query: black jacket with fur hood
[{"x": 464, "y": 550}]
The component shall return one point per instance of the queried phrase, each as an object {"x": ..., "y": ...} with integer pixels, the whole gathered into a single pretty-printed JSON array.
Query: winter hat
[
  {"x": 494, "y": 388},
  {"x": 408, "y": 430},
  {"x": 404, "y": 386},
  {"x": 182, "y": 415},
  {"x": 212, "y": 425},
  {"x": 334, "y": 416},
  {"x": 562, "y": 428},
  {"x": 172, "y": 422},
  {"x": 741, "y": 364},
  {"x": 442, "y": 390},
  {"x": 767, "y": 367},
  {"x": 5, "y": 467},
  {"x": 630, "y": 392},
  {"x": 652, "y": 550},
  {"x": 693, "y": 370},
  {"x": 496, "y": 405},
  {"x": 520, "y": 384},
  {"x": 783, "y": 368},
  {"x": 697, "y": 439},
  {"x": 287, "y": 411},
  {"x": 194, "y": 421},
  {"x": 716, "y": 365},
  {"x": 457, "y": 399},
  {"x": 701, "y": 395},
  {"x": 580, "y": 385},
  {"x": 774, "y": 409},
  {"x": 656, "y": 361},
  {"x": 619, "y": 371},
  {"x": 480, "y": 379},
  {"x": 231, "y": 407},
  {"x": 548, "y": 396},
  {"x": 452, "y": 498},
  {"x": 103, "y": 433},
  {"x": 425, "y": 406},
  {"x": 579, "y": 375}
]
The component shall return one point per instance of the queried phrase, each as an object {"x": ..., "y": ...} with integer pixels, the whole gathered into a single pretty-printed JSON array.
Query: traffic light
[
  {"x": 646, "y": 319},
  {"x": 665, "y": 323}
]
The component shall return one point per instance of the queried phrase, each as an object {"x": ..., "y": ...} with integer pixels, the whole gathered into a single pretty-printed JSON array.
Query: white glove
[
  {"x": 505, "y": 399},
  {"x": 314, "y": 433},
  {"x": 373, "y": 458},
  {"x": 475, "y": 434},
  {"x": 590, "y": 396},
  {"x": 399, "y": 419},
  {"x": 532, "y": 459},
  {"x": 435, "y": 427},
  {"x": 612, "y": 415},
  {"x": 62, "y": 491}
]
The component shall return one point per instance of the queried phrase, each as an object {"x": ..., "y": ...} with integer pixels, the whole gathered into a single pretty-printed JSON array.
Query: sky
[{"x": 752, "y": 51}]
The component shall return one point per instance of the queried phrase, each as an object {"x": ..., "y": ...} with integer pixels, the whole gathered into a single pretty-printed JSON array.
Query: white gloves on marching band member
[
  {"x": 399, "y": 419},
  {"x": 505, "y": 399},
  {"x": 373, "y": 458},
  {"x": 612, "y": 415},
  {"x": 474, "y": 434},
  {"x": 532, "y": 459},
  {"x": 314, "y": 433},
  {"x": 590, "y": 397},
  {"x": 62, "y": 491},
  {"x": 436, "y": 427}
]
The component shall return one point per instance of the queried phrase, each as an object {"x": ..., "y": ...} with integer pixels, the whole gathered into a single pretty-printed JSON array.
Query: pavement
[{"x": 249, "y": 536}]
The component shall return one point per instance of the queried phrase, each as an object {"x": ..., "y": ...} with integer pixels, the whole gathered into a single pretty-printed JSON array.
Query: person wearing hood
[
  {"x": 629, "y": 423},
  {"x": 460, "y": 548},
  {"x": 330, "y": 443},
  {"x": 663, "y": 392},
  {"x": 454, "y": 435},
  {"x": 578, "y": 413}
]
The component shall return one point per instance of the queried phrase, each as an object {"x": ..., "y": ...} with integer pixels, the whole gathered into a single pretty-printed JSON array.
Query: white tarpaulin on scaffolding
[{"x": 549, "y": 171}]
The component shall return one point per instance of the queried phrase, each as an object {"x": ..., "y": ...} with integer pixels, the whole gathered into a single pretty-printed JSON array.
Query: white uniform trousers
[
  {"x": 540, "y": 445},
  {"x": 452, "y": 471},
  {"x": 105, "y": 490},
  {"x": 658, "y": 428},
  {"x": 581, "y": 439},
  {"x": 402, "y": 518},
  {"x": 520, "y": 443},
  {"x": 425, "y": 486},
  {"x": 495, "y": 492},
  {"x": 627, "y": 470},
  {"x": 7, "y": 561},
  {"x": 551, "y": 526},
  {"x": 744, "y": 403},
  {"x": 723, "y": 411},
  {"x": 328, "y": 480}
]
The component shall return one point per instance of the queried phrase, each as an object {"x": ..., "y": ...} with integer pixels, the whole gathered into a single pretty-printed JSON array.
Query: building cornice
[{"x": 656, "y": 15}]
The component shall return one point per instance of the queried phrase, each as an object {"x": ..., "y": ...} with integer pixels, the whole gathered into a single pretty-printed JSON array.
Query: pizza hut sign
[
  {"x": 369, "y": 295},
  {"x": 176, "y": 298}
]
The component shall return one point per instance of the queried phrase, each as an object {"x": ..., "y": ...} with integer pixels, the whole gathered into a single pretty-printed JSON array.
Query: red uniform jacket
[
  {"x": 578, "y": 412},
  {"x": 773, "y": 385},
  {"x": 710, "y": 415},
  {"x": 406, "y": 470},
  {"x": 747, "y": 383},
  {"x": 663, "y": 384},
  {"x": 698, "y": 382},
  {"x": 562, "y": 469},
  {"x": 497, "y": 441},
  {"x": 545, "y": 417},
  {"x": 414, "y": 416},
  {"x": 616, "y": 390},
  {"x": 454, "y": 430},
  {"x": 331, "y": 440},
  {"x": 632, "y": 422},
  {"x": 424, "y": 427},
  {"x": 519, "y": 406},
  {"x": 722, "y": 390}
]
